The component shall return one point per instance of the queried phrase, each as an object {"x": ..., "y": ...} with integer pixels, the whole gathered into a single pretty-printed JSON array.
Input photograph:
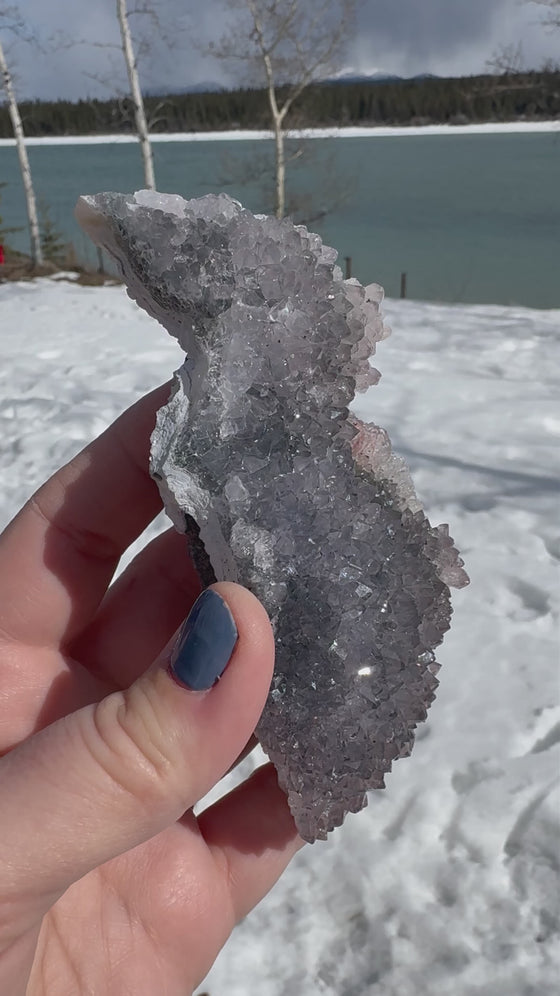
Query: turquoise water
[{"x": 473, "y": 218}]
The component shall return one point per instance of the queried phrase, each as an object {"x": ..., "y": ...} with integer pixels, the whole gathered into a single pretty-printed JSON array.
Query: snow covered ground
[
  {"x": 351, "y": 131},
  {"x": 448, "y": 885}
]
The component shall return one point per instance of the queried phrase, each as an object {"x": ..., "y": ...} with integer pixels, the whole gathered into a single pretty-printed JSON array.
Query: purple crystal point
[{"x": 257, "y": 458}]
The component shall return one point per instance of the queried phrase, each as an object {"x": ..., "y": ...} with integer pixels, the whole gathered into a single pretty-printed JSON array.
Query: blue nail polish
[{"x": 205, "y": 643}]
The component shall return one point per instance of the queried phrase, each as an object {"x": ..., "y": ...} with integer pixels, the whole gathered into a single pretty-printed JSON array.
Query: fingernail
[{"x": 205, "y": 643}]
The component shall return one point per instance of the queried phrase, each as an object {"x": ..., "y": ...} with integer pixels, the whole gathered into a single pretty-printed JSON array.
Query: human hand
[{"x": 108, "y": 882}]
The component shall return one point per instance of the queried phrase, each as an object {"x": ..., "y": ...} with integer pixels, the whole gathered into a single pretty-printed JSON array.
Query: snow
[
  {"x": 490, "y": 128},
  {"x": 448, "y": 884}
]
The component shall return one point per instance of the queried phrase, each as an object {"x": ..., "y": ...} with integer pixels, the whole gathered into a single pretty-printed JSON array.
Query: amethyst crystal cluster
[{"x": 278, "y": 487}]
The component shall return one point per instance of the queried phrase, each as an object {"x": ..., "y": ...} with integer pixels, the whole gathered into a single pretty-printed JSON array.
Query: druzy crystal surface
[{"x": 278, "y": 487}]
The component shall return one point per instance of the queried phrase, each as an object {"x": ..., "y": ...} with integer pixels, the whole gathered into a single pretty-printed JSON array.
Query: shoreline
[
  {"x": 490, "y": 128},
  {"x": 482, "y": 309}
]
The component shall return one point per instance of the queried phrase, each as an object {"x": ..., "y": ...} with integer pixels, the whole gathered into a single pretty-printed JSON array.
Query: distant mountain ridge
[
  {"x": 378, "y": 76},
  {"x": 342, "y": 78}
]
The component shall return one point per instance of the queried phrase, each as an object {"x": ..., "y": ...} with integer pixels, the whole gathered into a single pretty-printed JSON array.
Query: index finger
[{"x": 58, "y": 555}]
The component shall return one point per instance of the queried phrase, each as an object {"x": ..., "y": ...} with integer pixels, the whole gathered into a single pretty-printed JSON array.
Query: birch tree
[
  {"x": 134, "y": 47},
  {"x": 140, "y": 120},
  {"x": 285, "y": 45},
  {"x": 8, "y": 17}
]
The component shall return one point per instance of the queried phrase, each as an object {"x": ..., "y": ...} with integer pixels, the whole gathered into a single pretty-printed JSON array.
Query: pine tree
[
  {"x": 52, "y": 241},
  {"x": 5, "y": 232}
]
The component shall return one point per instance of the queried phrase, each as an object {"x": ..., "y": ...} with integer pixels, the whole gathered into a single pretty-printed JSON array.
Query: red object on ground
[{"x": 1, "y": 255}]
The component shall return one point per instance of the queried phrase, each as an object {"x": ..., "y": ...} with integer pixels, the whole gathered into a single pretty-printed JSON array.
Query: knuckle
[{"x": 133, "y": 746}]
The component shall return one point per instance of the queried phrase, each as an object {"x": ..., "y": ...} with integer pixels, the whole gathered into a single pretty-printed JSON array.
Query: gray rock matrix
[{"x": 277, "y": 487}]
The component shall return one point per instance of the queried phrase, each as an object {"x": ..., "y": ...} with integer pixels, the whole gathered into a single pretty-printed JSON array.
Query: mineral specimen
[{"x": 278, "y": 487}]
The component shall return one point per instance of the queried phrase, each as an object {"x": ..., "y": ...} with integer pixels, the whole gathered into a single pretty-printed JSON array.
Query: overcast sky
[{"x": 445, "y": 37}]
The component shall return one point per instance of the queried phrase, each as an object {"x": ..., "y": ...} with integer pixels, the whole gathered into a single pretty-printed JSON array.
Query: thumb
[{"x": 106, "y": 778}]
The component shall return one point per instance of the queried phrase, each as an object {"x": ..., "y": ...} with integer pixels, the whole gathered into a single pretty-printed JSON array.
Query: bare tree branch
[
  {"x": 286, "y": 44},
  {"x": 132, "y": 50},
  {"x": 552, "y": 15},
  {"x": 507, "y": 60}
]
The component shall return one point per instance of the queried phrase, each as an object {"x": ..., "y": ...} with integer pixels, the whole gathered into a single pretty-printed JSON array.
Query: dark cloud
[
  {"x": 427, "y": 27},
  {"x": 446, "y": 37},
  {"x": 420, "y": 31}
]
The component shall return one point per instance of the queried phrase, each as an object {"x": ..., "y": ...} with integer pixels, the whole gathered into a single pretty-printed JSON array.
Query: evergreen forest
[{"x": 530, "y": 96}]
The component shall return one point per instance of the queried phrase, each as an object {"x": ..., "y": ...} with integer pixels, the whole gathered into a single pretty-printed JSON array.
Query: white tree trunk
[
  {"x": 280, "y": 206},
  {"x": 136, "y": 94},
  {"x": 279, "y": 138},
  {"x": 35, "y": 238}
]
